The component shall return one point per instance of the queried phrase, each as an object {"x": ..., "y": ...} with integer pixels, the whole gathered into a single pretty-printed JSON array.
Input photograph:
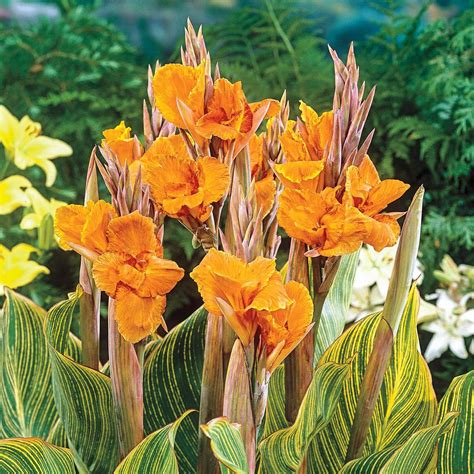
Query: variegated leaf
[
  {"x": 33, "y": 455},
  {"x": 456, "y": 447},
  {"x": 336, "y": 306},
  {"x": 227, "y": 445},
  {"x": 172, "y": 384},
  {"x": 416, "y": 456},
  {"x": 407, "y": 402},
  {"x": 83, "y": 397},
  {"x": 155, "y": 454},
  {"x": 284, "y": 450}
]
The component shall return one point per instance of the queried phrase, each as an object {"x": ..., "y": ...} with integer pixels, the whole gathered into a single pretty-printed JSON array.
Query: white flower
[{"x": 455, "y": 322}]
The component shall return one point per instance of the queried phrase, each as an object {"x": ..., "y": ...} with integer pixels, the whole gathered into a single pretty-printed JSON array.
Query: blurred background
[{"x": 79, "y": 67}]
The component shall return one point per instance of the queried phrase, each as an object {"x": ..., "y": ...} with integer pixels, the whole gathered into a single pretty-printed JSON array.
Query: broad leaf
[
  {"x": 227, "y": 445},
  {"x": 407, "y": 402},
  {"x": 456, "y": 447},
  {"x": 275, "y": 413},
  {"x": 26, "y": 395},
  {"x": 336, "y": 306},
  {"x": 416, "y": 455},
  {"x": 31, "y": 455},
  {"x": 284, "y": 450},
  {"x": 155, "y": 454},
  {"x": 172, "y": 384},
  {"x": 83, "y": 397}
]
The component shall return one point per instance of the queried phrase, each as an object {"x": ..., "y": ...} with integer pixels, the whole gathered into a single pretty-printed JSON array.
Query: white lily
[{"x": 455, "y": 322}]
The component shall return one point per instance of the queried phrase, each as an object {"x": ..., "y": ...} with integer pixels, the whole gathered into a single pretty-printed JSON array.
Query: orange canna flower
[
  {"x": 84, "y": 226},
  {"x": 283, "y": 330},
  {"x": 365, "y": 191},
  {"x": 321, "y": 221},
  {"x": 265, "y": 186},
  {"x": 181, "y": 186},
  {"x": 308, "y": 139},
  {"x": 179, "y": 90},
  {"x": 300, "y": 174},
  {"x": 239, "y": 291},
  {"x": 127, "y": 262},
  {"x": 180, "y": 95},
  {"x": 120, "y": 141}
]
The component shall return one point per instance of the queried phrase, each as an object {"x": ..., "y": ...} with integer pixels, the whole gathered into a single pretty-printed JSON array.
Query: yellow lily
[
  {"x": 15, "y": 267},
  {"x": 26, "y": 147},
  {"x": 12, "y": 194},
  {"x": 41, "y": 208}
]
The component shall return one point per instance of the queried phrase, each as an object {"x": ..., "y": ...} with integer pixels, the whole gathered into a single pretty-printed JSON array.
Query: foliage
[{"x": 77, "y": 75}]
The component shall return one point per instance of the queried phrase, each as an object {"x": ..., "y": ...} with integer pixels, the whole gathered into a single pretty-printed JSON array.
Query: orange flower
[
  {"x": 127, "y": 262},
  {"x": 120, "y": 141},
  {"x": 321, "y": 221},
  {"x": 307, "y": 140},
  {"x": 238, "y": 290},
  {"x": 300, "y": 174},
  {"x": 265, "y": 186},
  {"x": 182, "y": 186},
  {"x": 179, "y": 91},
  {"x": 84, "y": 226},
  {"x": 365, "y": 191},
  {"x": 283, "y": 330}
]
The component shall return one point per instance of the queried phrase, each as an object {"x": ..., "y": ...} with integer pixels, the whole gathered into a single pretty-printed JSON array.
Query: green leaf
[
  {"x": 155, "y": 454},
  {"x": 83, "y": 397},
  {"x": 407, "y": 402},
  {"x": 284, "y": 450},
  {"x": 172, "y": 384},
  {"x": 227, "y": 445},
  {"x": 455, "y": 451},
  {"x": 26, "y": 395},
  {"x": 31, "y": 455},
  {"x": 333, "y": 318},
  {"x": 416, "y": 455}
]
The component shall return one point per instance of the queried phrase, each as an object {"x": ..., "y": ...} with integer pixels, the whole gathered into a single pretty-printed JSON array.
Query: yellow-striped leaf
[
  {"x": 33, "y": 455},
  {"x": 284, "y": 450},
  {"x": 416, "y": 456},
  {"x": 456, "y": 447},
  {"x": 172, "y": 384},
  {"x": 26, "y": 395},
  {"x": 83, "y": 397},
  {"x": 227, "y": 445},
  {"x": 275, "y": 418},
  {"x": 336, "y": 306},
  {"x": 407, "y": 401},
  {"x": 155, "y": 454}
]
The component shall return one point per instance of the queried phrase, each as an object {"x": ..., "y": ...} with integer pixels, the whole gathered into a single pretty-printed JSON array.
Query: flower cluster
[{"x": 127, "y": 262}]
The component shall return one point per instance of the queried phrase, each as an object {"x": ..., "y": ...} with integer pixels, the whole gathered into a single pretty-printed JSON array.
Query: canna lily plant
[{"x": 263, "y": 377}]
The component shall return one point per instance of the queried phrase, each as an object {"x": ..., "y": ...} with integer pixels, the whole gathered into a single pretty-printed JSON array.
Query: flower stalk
[{"x": 127, "y": 386}]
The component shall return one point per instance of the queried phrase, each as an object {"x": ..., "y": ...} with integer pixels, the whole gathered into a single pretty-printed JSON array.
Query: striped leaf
[
  {"x": 275, "y": 413},
  {"x": 155, "y": 454},
  {"x": 83, "y": 397},
  {"x": 336, "y": 306},
  {"x": 416, "y": 456},
  {"x": 284, "y": 450},
  {"x": 33, "y": 455},
  {"x": 406, "y": 404},
  {"x": 172, "y": 384},
  {"x": 26, "y": 395},
  {"x": 456, "y": 447},
  {"x": 227, "y": 445}
]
